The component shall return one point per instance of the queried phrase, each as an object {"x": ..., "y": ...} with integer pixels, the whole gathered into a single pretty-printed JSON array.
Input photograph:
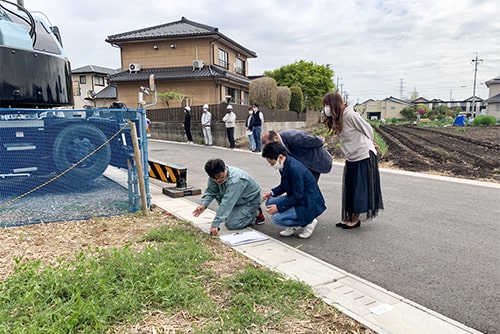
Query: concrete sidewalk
[{"x": 367, "y": 303}]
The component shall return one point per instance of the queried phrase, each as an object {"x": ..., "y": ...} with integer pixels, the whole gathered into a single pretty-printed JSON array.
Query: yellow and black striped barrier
[
  {"x": 172, "y": 174},
  {"x": 167, "y": 173}
]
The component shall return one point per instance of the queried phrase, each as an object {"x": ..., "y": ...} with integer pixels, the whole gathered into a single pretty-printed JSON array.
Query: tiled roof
[
  {"x": 177, "y": 73},
  {"x": 175, "y": 30},
  {"x": 493, "y": 99},
  {"x": 93, "y": 69},
  {"x": 494, "y": 81},
  {"x": 395, "y": 99},
  {"x": 109, "y": 92}
]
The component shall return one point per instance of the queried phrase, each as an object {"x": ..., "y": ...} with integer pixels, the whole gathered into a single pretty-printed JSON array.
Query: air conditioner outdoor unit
[
  {"x": 132, "y": 68},
  {"x": 197, "y": 64}
]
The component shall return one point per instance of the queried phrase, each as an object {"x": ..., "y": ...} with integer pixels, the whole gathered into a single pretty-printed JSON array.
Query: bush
[
  {"x": 283, "y": 98},
  {"x": 484, "y": 120},
  {"x": 263, "y": 91},
  {"x": 296, "y": 99}
]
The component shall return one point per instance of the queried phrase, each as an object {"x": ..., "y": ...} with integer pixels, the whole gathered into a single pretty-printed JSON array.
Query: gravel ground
[{"x": 59, "y": 201}]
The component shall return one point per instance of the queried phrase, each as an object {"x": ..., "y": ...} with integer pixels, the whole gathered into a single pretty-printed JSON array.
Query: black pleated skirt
[{"x": 361, "y": 191}]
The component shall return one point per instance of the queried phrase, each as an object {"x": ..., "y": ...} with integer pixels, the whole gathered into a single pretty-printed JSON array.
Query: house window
[
  {"x": 239, "y": 66},
  {"x": 231, "y": 95},
  {"x": 223, "y": 59},
  {"x": 83, "y": 79},
  {"x": 246, "y": 99},
  {"x": 99, "y": 81},
  {"x": 498, "y": 106}
]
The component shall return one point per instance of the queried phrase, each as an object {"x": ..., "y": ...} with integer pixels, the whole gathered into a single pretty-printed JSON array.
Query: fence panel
[{"x": 54, "y": 164}]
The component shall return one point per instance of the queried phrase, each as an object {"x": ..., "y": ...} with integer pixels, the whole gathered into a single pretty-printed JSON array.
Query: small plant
[{"x": 381, "y": 144}]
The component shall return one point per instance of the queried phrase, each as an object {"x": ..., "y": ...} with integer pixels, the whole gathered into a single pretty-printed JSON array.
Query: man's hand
[
  {"x": 272, "y": 209},
  {"x": 266, "y": 195},
  {"x": 214, "y": 230},
  {"x": 199, "y": 210}
]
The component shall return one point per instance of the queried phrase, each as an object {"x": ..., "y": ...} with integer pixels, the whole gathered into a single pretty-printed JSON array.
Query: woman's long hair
[{"x": 337, "y": 106}]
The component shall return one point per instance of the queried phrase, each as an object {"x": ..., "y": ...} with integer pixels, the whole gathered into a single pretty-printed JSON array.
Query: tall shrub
[
  {"x": 296, "y": 99},
  {"x": 283, "y": 98},
  {"x": 263, "y": 91}
]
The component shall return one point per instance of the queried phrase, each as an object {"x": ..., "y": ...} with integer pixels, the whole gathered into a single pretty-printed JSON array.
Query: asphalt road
[{"x": 436, "y": 242}]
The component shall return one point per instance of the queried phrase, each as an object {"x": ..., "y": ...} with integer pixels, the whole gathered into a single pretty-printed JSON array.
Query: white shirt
[{"x": 206, "y": 117}]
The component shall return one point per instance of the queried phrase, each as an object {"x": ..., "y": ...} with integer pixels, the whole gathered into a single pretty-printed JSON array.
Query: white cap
[
  {"x": 188, "y": 108},
  {"x": 229, "y": 107},
  {"x": 205, "y": 106}
]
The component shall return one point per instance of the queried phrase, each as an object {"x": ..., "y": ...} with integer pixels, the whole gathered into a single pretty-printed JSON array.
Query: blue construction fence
[{"x": 61, "y": 165}]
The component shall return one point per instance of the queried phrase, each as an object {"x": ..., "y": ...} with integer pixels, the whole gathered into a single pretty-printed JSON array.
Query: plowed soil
[{"x": 463, "y": 152}]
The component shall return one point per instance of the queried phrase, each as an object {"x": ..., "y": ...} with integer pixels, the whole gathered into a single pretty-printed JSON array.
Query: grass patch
[{"x": 174, "y": 276}]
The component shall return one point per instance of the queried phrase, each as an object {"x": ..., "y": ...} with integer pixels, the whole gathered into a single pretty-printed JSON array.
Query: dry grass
[{"x": 50, "y": 242}]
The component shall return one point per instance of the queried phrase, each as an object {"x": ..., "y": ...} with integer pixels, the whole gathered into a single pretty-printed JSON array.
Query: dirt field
[{"x": 464, "y": 152}]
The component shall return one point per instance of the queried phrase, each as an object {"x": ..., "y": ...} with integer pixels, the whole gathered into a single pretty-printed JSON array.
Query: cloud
[{"x": 376, "y": 47}]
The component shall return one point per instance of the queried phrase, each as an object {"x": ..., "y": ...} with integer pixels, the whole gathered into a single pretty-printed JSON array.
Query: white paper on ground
[
  {"x": 241, "y": 238},
  {"x": 380, "y": 309}
]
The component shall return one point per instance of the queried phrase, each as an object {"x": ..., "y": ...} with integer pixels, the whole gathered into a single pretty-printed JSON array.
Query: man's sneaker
[
  {"x": 288, "y": 232},
  {"x": 260, "y": 219},
  {"x": 308, "y": 230}
]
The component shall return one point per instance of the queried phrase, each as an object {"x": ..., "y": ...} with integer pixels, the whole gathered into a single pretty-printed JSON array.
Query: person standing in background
[
  {"x": 257, "y": 123},
  {"x": 187, "y": 124},
  {"x": 361, "y": 190},
  {"x": 248, "y": 124},
  {"x": 230, "y": 120},
  {"x": 206, "y": 123}
]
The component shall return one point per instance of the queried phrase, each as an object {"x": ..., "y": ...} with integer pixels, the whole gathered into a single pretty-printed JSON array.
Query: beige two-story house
[
  {"x": 187, "y": 57},
  {"x": 91, "y": 80}
]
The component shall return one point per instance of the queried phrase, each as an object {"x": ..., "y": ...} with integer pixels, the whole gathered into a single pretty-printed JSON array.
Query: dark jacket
[
  {"x": 187, "y": 119},
  {"x": 302, "y": 192},
  {"x": 256, "y": 121},
  {"x": 308, "y": 149}
]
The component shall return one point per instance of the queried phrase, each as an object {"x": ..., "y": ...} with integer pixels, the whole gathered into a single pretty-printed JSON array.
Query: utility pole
[
  {"x": 401, "y": 88},
  {"x": 473, "y": 107}
]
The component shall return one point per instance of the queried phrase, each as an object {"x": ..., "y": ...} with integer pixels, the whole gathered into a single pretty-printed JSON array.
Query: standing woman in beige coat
[{"x": 361, "y": 192}]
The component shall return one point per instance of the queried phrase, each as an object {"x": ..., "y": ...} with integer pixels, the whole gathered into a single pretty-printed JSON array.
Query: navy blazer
[
  {"x": 308, "y": 149},
  {"x": 302, "y": 192}
]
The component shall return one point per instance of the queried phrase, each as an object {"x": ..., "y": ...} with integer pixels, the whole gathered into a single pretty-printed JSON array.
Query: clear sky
[{"x": 376, "y": 48}]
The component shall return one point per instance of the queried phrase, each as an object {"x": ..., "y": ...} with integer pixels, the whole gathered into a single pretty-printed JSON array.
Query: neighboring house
[
  {"x": 391, "y": 106},
  {"x": 382, "y": 109},
  {"x": 91, "y": 80},
  {"x": 493, "y": 101},
  {"x": 190, "y": 58}
]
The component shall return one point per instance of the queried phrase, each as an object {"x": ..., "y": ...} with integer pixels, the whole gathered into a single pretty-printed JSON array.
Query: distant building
[
  {"x": 493, "y": 101},
  {"x": 391, "y": 107},
  {"x": 382, "y": 109},
  {"x": 91, "y": 79},
  {"x": 187, "y": 57}
]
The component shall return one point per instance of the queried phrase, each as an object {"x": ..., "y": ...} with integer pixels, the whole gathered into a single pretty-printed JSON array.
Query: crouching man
[
  {"x": 237, "y": 194},
  {"x": 297, "y": 201}
]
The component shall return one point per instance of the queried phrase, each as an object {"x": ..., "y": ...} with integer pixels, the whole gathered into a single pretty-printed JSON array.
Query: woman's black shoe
[
  {"x": 347, "y": 227},
  {"x": 341, "y": 224}
]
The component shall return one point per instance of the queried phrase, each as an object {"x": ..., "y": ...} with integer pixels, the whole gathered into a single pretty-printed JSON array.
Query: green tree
[
  {"x": 314, "y": 80},
  {"x": 296, "y": 99},
  {"x": 263, "y": 91},
  {"x": 170, "y": 95}
]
